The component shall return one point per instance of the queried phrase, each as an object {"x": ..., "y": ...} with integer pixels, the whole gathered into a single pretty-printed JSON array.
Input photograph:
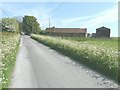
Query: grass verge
[{"x": 10, "y": 45}]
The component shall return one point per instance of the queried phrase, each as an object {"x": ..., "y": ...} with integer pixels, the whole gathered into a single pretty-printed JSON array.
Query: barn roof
[
  {"x": 102, "y": 28},
  {"x": 67, "y": 30}
]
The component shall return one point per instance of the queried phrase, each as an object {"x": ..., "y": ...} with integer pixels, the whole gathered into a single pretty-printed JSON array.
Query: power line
[
  {"x": 49, "y": 22},
  {"x": 4, "y": 12},
  {"x": 56, "y": 9},
  {"x": 9, "y": 20}
]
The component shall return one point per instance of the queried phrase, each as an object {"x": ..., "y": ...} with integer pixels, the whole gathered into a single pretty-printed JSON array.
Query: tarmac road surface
[{"x": 38, "y": 66}]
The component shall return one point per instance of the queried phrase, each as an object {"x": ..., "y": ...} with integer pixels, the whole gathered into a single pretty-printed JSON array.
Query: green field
[
  {"x": 106, "y": 42},
  {"x": 9, "y": 48},
  {"x": 98, "y": 54}
]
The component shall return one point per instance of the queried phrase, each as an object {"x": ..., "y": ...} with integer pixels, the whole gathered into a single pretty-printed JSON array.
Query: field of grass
[
  {"x": 106, "y": 42},
  {"x": 8, "y": 49},
  {"x": 98, "y": 54}
]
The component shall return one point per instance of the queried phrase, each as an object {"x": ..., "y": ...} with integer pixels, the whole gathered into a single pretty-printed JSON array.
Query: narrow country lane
[{"x": 38, "y": 66}]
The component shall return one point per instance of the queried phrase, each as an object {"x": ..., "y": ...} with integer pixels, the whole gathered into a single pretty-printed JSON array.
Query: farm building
[
  {"x": 88, "y": 35},
  {"x": 103, "y": 32},
  {"x": 93, "y": 34},
  {"x": 67, "y": 32}
]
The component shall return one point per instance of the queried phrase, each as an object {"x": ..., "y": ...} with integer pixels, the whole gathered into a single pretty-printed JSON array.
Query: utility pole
[
  {"x": 54, "y": 11},
  {"x": 49, "y": 22}
]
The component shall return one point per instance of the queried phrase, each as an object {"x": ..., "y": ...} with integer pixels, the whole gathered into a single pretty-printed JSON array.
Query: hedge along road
[{"x": 38, "y": 66}]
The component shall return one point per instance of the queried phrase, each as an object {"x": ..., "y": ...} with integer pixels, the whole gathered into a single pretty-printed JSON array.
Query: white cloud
[
  {"x": 102, "y": 18},
  {"x": 105, "y": 17},
  {"x": 74, "y": 20}
]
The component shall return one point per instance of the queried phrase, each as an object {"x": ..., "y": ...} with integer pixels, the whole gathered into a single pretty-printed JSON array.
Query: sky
[{"x": 90, "y": 15}]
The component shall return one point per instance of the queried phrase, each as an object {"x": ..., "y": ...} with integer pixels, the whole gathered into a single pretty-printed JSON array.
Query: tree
[
  {"x": 10, "y": 24},
  {"x": 19, "y": 19},
  {"x": 30, "y": 25}
]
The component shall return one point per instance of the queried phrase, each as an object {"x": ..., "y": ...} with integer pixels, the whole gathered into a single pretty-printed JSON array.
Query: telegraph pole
[
  {"x": 49, "y": 22},
  {"x": 54, "y": 11}
]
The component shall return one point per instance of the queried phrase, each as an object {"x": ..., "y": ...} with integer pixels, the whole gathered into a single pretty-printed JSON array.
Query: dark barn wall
[{"x": 103, "y": 32}]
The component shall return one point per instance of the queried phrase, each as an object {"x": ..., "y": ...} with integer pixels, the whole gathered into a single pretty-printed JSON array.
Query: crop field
[
  {"x": 98, "y": 54},
  {"x": 8, "y": 49}
]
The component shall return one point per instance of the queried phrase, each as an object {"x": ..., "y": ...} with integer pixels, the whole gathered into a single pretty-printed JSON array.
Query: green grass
[
  {"x": 10, "y": 44},
  {"x": 107, "y": 42},
  {"x": 90, "y": 52}
]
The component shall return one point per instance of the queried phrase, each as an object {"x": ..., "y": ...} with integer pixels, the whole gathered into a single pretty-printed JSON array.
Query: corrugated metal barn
[{"x": 103, "y": 32}]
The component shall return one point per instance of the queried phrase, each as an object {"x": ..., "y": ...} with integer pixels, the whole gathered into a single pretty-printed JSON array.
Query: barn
[
  {"x": 103, "y": 32},
  {"x": 67, "y": 32}
]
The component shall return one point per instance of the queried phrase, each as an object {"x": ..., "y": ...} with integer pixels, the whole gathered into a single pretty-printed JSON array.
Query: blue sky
[{"x": 90, "y": 15}]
